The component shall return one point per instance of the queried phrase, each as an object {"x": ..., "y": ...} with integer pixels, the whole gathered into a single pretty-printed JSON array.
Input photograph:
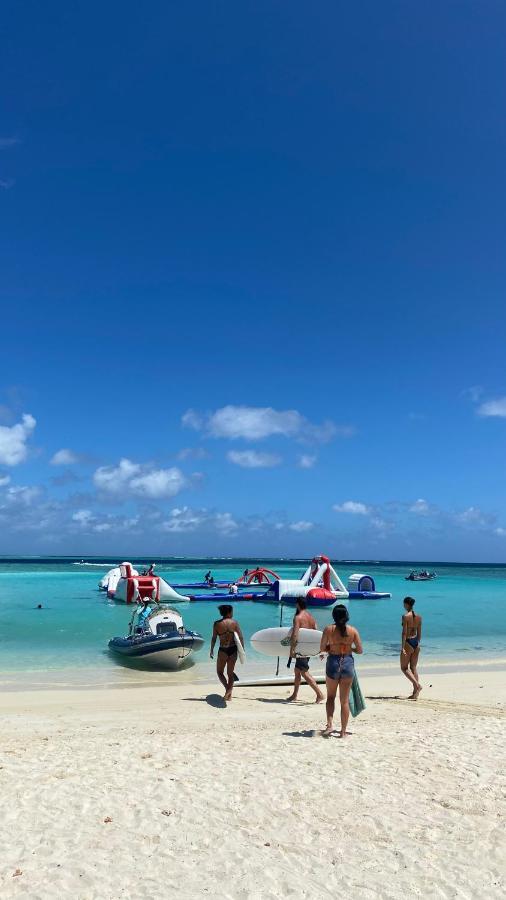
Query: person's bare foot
[
  {"x": 319, "y": 698},
  {"x": 291, "y": 698},
  {"x": 346, "y": 734},
  {"x": 416, "y": 694},
  {"x": 328, "y": 731},
  {"x": 228, "y": 695}
]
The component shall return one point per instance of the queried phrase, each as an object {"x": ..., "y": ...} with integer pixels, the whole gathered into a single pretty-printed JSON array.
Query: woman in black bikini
[
  {"x": 225, "y": 629},
  {"x": 410, "y": 645}
]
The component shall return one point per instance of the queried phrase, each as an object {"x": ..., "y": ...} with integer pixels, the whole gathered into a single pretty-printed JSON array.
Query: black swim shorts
[{"x": 302, "y": 663}]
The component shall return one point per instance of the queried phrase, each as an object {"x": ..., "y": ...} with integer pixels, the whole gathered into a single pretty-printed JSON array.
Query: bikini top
[{"x": 341, "y": 639}]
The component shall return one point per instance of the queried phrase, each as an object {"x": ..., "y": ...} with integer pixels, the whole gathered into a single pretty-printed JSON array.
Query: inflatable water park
[
  {"x": 319, "y": 585},
  {"x": 251, "y": 585}
]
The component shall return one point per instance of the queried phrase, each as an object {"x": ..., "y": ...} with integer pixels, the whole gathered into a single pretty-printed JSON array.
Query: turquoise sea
[{"x": 464, "y": 616}]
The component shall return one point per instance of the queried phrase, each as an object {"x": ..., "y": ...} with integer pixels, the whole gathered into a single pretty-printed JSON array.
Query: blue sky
[{"x": 256, "y": 251}]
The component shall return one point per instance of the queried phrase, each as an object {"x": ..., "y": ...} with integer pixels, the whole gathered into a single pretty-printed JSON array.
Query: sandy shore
[{"x": 161, "y": 792}]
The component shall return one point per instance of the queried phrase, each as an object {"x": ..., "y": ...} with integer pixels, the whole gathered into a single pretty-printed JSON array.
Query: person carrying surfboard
[
  {"x": 228, "y": 631},
  {"x": 302, "y": 619}
]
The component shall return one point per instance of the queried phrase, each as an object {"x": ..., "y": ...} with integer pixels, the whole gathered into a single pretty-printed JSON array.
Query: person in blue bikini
[
  {"x": 410, "y": 645},
  {"x": 340, "y": 641}
]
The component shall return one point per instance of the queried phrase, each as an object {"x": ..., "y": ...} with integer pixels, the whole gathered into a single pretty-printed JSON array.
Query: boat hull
[
  {"x": 422, "y": 578},
  {"x": 157, "y": 650}
]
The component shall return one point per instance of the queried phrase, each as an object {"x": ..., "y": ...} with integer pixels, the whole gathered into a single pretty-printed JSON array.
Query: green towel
[{"x": 357, "y": 702}]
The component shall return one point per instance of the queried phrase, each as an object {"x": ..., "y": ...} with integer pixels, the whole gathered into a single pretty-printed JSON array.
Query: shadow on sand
[
  {"x": 306, "y": 734},
  {"x": 284, "y": 701},
  {"x": 212, "y": 700},
  {"x": 384, "y": 697}
]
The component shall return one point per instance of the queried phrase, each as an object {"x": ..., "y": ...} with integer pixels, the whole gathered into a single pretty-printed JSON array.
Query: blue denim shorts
[{"x": 340, "y": 665}]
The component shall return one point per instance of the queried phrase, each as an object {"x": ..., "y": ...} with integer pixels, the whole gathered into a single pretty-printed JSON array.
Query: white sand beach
[{"x": 161, "y": 792}]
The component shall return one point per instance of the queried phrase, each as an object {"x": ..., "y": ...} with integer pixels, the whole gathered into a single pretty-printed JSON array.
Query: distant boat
[{"x": 421, "y": 576}]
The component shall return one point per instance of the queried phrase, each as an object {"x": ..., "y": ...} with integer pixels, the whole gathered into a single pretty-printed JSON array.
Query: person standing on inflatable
[
  {"x": 302, "y": 619},
  {"x": 226, "y": 629}
]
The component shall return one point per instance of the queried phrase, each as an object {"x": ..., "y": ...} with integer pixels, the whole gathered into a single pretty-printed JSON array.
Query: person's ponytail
[{"x": 340, "y": 615}]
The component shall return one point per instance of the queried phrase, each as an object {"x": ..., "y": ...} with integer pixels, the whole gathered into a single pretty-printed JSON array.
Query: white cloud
[
  {"x": 251, "y": 459},
  {"x": 132, "y": 522},
  {"x": 193, "y": 420},
  {"x": 420, "y": 507},
  {"x": 381, "y": 527},
  {"x": 471, "y": 516},
  {"x": 90, "y": 522},
  {"x": 83, "y": 516},
  {"x": 4, "y": 479},
  {"x": 380, "y": 524},
  {"x": 254, "y": 423},
  {"x": 185, "y": 519},
  {"x": 501, "y": 532},
  {"x": 495, "y": 408},
  {"x": 301, "y": 526},
  {"x": 115, "y": 479},
  {"x": 64, "y": 457},
  {"x": 132, "y": 478},
  {"x": 22, "y": 495},
  {"x": 225, "y": 523},
  {"x": 13, "y": 449},
  {"x": 159, "y": 483},
  {"x": 352, "y": 507},
  {"x": 306, "y": 461}
]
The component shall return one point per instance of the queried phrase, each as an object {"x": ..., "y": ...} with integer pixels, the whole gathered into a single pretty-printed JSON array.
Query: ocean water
[{"x": 463, "y": 610}]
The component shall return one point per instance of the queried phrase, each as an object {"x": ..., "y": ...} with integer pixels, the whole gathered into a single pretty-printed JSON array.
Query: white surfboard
[
  {"x": 240, "y": 649},
  {"x": 276, "y": 642}
]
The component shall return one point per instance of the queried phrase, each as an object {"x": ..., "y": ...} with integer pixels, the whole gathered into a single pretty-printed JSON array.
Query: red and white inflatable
[
  {"x": 259, "y": 575},
  {"x": 110, "y": 580},
  {"x": 132, "y": 587},
  {"x": 320, "y": 585}
]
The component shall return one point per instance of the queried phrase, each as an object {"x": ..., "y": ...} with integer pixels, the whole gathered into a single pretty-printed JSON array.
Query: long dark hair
[
  {"x": 340, "y": 615},
  {"x": 409, "y": 602}
]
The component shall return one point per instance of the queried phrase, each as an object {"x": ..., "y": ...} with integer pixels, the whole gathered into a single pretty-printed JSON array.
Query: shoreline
[
  {"x": 119, "y": 677},
  {"x": 459, "y": 687}
]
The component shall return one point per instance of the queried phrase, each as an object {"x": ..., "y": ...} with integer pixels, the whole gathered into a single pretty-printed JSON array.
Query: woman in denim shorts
[{"x": 340, "y": 641}]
